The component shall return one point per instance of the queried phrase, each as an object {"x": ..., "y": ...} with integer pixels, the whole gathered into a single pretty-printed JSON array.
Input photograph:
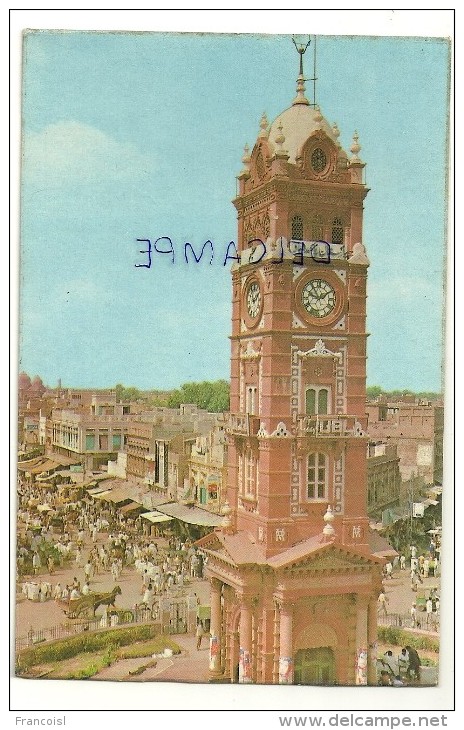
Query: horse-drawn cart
[{"x": 86, "y": 606}]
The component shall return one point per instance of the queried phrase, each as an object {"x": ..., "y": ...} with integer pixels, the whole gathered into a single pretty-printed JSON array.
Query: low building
[
  {"x": 416, "y": 428},
  {"x": 208, "y": 469},
  {"x": 95, "y": 436},
  {"x": 383, "y": 478}
]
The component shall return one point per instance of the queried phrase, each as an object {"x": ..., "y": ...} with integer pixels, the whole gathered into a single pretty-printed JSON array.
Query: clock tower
[{"x": 293, "y": 581}]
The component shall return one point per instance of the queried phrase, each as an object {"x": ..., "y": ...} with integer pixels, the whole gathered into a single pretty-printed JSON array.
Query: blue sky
[{"x": 140, "y": 135}]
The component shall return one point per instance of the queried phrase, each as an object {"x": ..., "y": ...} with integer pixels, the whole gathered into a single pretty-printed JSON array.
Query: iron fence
[
  {"x": 422, "y": 621},
  {"x": 173, "y": 614}
]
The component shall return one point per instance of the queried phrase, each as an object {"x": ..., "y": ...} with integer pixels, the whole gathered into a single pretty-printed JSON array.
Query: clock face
[
  {"x": 318, "y": 298},
  {"x": 253, "y": 299}
]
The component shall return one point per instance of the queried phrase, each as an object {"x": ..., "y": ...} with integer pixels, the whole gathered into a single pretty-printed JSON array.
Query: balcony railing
[
  {"x": 330, "y": 426},
  {"x": 242, "y": 424}
]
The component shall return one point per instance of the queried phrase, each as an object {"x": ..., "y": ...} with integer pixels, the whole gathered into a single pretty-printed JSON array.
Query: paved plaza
[{"x": 191, "y": 665}]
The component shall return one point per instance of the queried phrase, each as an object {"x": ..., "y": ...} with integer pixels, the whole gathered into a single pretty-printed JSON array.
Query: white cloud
[{"x": 70, "y": 152}]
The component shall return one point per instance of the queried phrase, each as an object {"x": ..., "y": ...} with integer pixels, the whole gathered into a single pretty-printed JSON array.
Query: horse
[
  {"x": 93, "y": 601},
  {"x": 107, "y": 599}
]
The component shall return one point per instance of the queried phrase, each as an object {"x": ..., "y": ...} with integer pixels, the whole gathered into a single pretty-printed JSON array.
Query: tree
[
  {"x": 211, "y": 396},
  {"x": 126, "y": 394}
]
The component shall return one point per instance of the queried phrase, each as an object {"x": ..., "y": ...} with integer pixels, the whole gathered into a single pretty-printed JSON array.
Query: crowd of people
[
  {"x": 94, "y": 540},
  {"x": 420, "y": 568},
  {"x": 405, "y": 668}
]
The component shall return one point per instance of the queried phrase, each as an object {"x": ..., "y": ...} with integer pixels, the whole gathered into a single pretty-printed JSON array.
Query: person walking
[
  {"x": 148, "y": 596},
  {"x": 88, "y": 571},
  {"x": 36, "y": 564},
  {"x": 429, "y": 610},
  {"x": 414, "y": 668},
  {"x": 78, "y": 559},
  {"x": 382, "y": 603},
  {"x": 414, "y": 580},
  {"x": 199, "y": 634}
]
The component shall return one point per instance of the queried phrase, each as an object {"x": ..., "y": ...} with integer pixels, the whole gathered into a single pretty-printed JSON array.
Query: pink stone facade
[{"x": 294, "y": 584}]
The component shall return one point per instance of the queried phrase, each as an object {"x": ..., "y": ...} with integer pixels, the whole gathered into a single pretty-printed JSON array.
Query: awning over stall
[
  {"x": 191, "y": 515},
  {"x": 98, "y": 490},
  {"x": 155, "y": 516},
  {"x": 118, "y": 495},
  {"x": 102, "y": 495},
  {"x": 131, "y": 507}
]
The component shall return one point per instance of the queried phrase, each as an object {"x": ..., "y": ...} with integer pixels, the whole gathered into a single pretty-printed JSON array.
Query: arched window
[
  {"x": 317, "y": 228},
  {"x": 318, "y": 476},
  {"x": 337, "y": 230},
  {"x": 251, "y": 399},
  {"x": 317, "y": 401},
  {"x": 297, "y": 228}
]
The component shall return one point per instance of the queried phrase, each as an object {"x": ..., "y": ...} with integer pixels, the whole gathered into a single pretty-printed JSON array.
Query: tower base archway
[{"x": 315, "y": 666}]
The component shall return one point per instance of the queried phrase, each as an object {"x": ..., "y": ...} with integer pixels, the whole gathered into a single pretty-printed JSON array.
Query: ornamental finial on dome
[
  {"x": 318, "y": 117},
  {"x": 301, "y": 44},
  {"x": 355, "y": 147},
  {"x": 300, "y": 98},
  {"x": 336, "y": 133},
  {"x": 263, "y": 126}
]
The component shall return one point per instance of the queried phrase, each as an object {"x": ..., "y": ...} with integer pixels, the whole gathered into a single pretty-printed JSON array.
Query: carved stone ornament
[
  {"x": 248, "y": 353},
  {"x": 319, "y": 350},
  {"x": 357, "y": 430},
  {"x": 262, "y": 433},
  {"x": 359, "y": 255},
  {"x": 281, "y": 431}
]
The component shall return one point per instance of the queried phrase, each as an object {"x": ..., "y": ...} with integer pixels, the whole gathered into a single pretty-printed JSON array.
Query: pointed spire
[
  {"x": 263, "y": 126},
  {"x": 246, "y": 159}
]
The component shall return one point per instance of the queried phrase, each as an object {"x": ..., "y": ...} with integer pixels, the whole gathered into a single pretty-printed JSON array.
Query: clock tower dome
[{"x": 292, "y": 561}]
